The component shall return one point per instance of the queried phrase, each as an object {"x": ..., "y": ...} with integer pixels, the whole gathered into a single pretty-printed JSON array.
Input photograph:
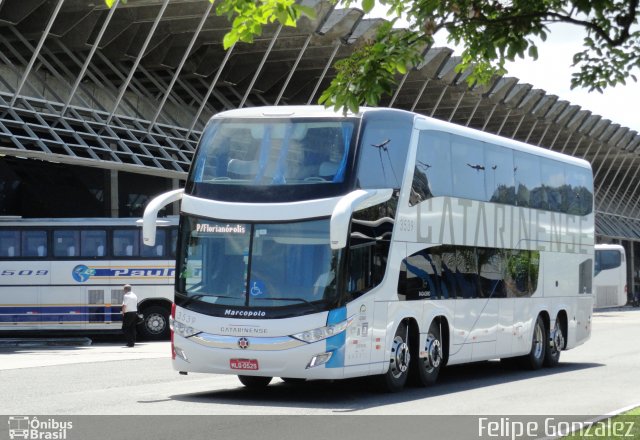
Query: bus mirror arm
[
  {"x": 151, "y": 214},
  {"x": 346, "y": 206}
]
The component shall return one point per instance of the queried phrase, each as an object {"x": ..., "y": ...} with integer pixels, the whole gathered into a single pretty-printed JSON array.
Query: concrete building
[{"x": 101, "y": 109}]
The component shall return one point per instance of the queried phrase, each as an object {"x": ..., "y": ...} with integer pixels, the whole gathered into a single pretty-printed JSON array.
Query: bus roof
[{"x": 609, "y": 247}]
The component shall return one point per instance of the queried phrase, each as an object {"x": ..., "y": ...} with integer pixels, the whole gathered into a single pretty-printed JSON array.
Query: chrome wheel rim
[
  {"x": 400, "y": 357},
  {"x": 538, "y": 341},
  {"x": 433, "y": 347},
  {"x": 557, "y": 340},
  {"x": 155, "y": 323}
]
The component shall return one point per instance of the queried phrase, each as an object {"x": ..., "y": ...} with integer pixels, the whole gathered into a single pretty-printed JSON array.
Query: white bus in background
[
  {"x": 610, "y": 276},
  {"x": 67, "y": 274},
  {"x": 314, "y": 245}
]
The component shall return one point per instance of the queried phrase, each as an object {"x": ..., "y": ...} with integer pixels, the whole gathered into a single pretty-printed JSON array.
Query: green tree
[{"x": 492, "y": 32}]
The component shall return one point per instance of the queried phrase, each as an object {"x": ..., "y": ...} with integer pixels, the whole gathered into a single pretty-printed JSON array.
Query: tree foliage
[{"x": 492, "y": 32}]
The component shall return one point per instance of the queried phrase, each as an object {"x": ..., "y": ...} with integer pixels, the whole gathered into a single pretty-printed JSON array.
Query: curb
[{"x": 45, "y": 342}]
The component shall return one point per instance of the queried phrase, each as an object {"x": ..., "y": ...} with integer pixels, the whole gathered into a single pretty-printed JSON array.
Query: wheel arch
[
  {"x": 544, "y": 314},
  {"x": 412, "y": 322},
  {"x": 148, "y": 302},
  {"x": 443, "y": 322},
  {"x": 162, "y": 330},
  {"x": 564, "y": 325}
]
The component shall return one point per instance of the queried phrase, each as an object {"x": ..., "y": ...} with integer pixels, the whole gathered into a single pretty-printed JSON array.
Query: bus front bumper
[{"x": 270, "y": 357}]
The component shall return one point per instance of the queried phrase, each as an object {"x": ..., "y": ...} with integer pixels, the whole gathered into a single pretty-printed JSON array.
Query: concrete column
[
  {"x": 113, "y": 190},
  {"x": 175, "y": 208},
  {"x": 632, "y": 265}
]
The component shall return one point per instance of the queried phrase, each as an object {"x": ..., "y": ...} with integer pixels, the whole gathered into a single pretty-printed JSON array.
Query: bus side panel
[
  {"x": 582, "y": 324},
  {"x": 525, "y": 313},
  {"x": 67, "y": 295},
  {"x": 505, "y": 329},
  {"x": 21, "y": 286},
  {"x": 560, "y": 274},
  {"x": 148, "y": 278},
  {"x": 359, "y": 341}
]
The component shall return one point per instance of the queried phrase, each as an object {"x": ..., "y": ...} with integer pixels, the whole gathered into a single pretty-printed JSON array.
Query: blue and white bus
[
  {"x": 317, "y": 245},
  {"x": 68, "y": 274}
]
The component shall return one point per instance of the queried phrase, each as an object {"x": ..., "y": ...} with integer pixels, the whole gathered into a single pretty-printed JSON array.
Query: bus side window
[
  {"x": 158, "y": 249},
  {"x": 34, "y": 243},
  {"x": 126, "y": 243},
  {"x": 173, "y": 242},
  {"x": 66, "y": 243},
  {"x": 421, "y": 279},
  {"x": 9, "y": 243},
  {"x": 93, "y": 243}
]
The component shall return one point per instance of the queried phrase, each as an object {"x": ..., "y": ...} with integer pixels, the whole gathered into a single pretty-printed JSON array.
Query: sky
[{"x": 552, "y": 72}]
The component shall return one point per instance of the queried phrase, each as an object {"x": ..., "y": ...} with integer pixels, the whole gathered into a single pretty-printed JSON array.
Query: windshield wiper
[
  {"x": 315, "y": 306},
  {"x": 190, "y": 299}
]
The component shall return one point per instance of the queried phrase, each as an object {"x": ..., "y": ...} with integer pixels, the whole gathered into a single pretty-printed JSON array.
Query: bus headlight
[
  {"x": 181, "y": 329},
  {"x": 321, "y": 333}
]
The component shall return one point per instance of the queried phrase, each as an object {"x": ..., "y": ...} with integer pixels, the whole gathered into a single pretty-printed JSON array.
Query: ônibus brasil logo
[{"x": 32, "y": 428}]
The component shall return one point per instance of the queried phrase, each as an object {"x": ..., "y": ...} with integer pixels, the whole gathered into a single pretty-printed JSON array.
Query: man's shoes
[{"x": 129, "y": 345}]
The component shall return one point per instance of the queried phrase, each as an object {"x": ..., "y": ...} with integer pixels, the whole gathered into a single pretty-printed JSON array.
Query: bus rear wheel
[
  {"x": 396, "y": 377},
  {"x": 539, "y": 342},
  {"x": 155, "y": 324},
  {"x": 556, "y": 344},
  {"x": 427, "y": 368},
  {"x": 254, "y": 382}
]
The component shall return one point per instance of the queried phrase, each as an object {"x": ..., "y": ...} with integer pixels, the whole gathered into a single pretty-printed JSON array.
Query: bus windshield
[
  {"x": 257, "y": 265},
  {"x": 273, "y": 151}
]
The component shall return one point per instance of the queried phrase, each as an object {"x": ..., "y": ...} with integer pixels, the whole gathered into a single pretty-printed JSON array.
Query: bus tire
[
  {"x": 539, "y": 341},
  {"x": 555, "y": 345},
  {"x": 396, "y": 376},
  {"x": 254, "y": 382},
  {"x": 425, "y": 370},
  {"x": 155, "y": 324}
]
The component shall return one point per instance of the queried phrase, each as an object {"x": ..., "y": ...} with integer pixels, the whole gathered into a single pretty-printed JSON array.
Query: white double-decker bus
[
  {"x": 316, "y": 245},
  {"x": 68, "y": 274},
  {"x": 610, "y": 275}
]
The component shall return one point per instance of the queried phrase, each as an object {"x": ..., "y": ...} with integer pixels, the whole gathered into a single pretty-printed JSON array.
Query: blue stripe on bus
[
  {"x": 336, "y": 343},
  {"x": 88, "y": 313}
]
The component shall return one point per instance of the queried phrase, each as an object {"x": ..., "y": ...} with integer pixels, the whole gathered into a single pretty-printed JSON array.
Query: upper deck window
[
  {"x": 259, "y": 152},
  {"x": 450, "y": 165}
]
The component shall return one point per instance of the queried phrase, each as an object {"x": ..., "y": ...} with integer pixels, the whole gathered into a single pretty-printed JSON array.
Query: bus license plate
[{"x": 243, "y": 364}]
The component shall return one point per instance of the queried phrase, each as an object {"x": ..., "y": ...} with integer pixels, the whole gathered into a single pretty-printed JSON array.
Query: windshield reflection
[
  {"x": 274, "y": 152},
  {"x": 257, "y": 265}
]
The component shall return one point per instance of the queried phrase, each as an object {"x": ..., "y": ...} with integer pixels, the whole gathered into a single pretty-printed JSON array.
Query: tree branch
[{"x": 625, "y": 21}]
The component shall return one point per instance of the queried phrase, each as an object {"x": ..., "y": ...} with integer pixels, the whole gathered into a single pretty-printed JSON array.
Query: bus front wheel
[
  {"x": 254, "y": 381},
  {"x": 396, "y": 377}
]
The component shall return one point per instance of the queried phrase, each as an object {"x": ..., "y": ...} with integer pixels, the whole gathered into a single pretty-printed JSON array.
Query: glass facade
[{"x": 37, "y": 189}]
